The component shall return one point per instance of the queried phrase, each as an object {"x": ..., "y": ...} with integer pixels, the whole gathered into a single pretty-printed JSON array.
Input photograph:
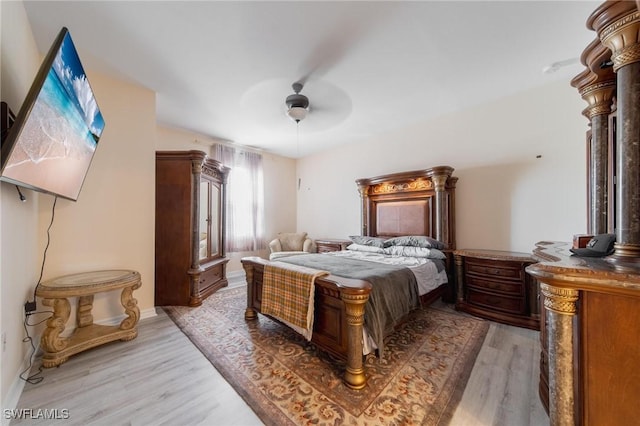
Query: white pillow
[
  {"x": 368, "y": 249},
  {"x": 411, "y": 251}
]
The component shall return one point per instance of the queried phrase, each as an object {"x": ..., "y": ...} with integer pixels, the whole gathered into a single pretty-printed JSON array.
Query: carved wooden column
[
  {"x": 561, "y": 307},
  {"x": 195, "y": 270},
  {"x": 599, "y": 96},
  {"x": 597, "y": 86},
  {"x": 439, "y": 182},
  {"x": 223, "y": 213},
  {"x": 618, "y": 27},
  {"x": 364, "y": 198},
  {"x": 439, "y": 176}
]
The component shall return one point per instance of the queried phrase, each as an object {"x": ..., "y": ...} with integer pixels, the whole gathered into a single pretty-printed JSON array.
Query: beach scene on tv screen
[{"x": 57, "y": 142}]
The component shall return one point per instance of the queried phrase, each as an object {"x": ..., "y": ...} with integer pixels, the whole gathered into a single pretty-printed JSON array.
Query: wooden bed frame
[{"x": 410, "y": 203}]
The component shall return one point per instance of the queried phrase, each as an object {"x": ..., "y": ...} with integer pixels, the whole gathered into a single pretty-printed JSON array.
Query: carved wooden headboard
[{"x": 420, "y": 202}]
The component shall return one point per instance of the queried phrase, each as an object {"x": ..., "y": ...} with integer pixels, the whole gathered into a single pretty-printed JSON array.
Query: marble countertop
[{"x": 559, "y": 267}]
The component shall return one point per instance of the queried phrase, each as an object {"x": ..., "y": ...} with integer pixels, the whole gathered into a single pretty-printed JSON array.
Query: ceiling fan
[
  {"x": 262, "y": 102},
  {"x": 297, "y": 104}
]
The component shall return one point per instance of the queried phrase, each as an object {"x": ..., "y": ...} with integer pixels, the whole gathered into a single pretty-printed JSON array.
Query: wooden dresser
[
  {"x": 590, "y": 366},
  {"x": 590, "y": 339},
  {"x": 190, "y": 262},
  {"x": 493, "y": 284},
  {"x": 331, "y": 244}
]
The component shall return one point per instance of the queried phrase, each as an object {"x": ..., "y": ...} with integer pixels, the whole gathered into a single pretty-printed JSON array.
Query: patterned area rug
[{"x": 287, "y": 381}]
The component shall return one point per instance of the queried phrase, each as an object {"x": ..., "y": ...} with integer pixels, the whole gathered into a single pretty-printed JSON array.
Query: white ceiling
[{"x": 224, "y": 69}]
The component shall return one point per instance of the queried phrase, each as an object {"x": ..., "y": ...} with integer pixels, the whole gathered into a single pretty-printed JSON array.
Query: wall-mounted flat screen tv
[{"x": 52, "y": 141}]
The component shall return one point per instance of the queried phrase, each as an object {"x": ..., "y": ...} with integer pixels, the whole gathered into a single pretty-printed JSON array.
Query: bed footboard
[{"x": 338, "y": 315}]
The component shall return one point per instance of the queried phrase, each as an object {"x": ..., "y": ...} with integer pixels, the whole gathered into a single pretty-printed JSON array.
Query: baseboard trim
[{"x": 144, "y": 314}]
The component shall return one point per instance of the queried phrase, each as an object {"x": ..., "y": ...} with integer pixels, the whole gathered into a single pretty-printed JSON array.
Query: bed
[{"x": 418, "y": 204}]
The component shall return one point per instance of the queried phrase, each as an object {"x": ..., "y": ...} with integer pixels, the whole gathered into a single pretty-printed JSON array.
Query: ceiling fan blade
[{"x": 343, "y": 36}]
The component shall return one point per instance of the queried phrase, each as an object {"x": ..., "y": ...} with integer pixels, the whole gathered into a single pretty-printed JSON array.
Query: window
[{"x": 245, "y": 198}]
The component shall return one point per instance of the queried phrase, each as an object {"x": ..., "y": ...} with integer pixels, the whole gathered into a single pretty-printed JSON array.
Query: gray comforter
[{"x": 394, "y": 293}]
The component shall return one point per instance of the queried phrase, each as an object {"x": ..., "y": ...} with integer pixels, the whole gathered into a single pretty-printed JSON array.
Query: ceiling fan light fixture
[
  {"x": 297, "y": 104},
  {"x": 297, "y": 113}
]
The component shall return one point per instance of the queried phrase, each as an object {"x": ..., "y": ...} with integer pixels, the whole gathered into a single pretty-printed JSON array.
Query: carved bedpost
[
  {"x": 440, "y": 182},
  {"x": 364, "y": 203},
  {"x": 354, "y": 306},
  {"x": 249, "y": 313},
  {"x": 459, "y": 279},
  {"x": 439, "y": 176}
]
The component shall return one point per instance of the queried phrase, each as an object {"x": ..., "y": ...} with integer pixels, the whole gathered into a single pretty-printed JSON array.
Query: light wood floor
[{"x": 160, "y": 378}]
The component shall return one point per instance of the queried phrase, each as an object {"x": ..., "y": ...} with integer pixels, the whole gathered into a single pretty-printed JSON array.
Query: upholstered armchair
[{"x": 290, "y": 243}]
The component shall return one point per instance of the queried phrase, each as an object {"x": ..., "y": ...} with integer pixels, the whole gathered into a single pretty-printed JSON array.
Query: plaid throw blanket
[{"x": 287, "y": 294}]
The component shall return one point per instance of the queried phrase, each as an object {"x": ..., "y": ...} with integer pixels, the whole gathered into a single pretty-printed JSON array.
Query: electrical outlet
[
  {"x": 4, "y": 341},
  {"x": 29, "y": 307}
]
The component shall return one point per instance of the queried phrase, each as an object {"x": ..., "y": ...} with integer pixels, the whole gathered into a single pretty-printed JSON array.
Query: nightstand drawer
[
  {"x": 328, "y": 245},
  {"x": 496, "y": 269},
  {"x": 513, "y": 305},
  {"x": 324, "y": 248},
  {"x": 483, "y": 283}
]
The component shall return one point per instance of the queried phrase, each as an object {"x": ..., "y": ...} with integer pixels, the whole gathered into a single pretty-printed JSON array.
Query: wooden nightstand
[
  {"x": 494, "y": 285},
  {"x": 324, "y": 245}
]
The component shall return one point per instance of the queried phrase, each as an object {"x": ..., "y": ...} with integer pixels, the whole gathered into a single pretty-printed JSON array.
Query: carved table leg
[
  {"x": 354, "y": 305},
  {"x": 85, "y": 305},
  {"x": 131, "y": 309},
  {"x": 51, "y": 341}
]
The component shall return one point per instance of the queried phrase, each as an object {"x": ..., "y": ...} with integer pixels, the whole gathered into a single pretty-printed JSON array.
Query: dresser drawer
[
  {"x": 513, "y": 305},
  {"x": 210, "y": 277},
  {"x": 514, "y": 288},
  {"x": 495, "y": 269}
]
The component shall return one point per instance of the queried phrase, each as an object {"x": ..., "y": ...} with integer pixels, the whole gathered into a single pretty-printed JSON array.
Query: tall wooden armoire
[{"x": 190, "y": 262}]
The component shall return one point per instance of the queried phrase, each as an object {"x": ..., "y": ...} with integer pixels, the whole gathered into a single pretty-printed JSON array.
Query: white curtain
[{"x": 245, "y": 198}]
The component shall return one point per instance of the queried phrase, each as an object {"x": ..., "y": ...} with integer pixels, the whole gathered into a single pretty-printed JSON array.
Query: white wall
[
  {"x": 111, "y": 226},
  {"x": 170, "y": 139},
  {"x": 19, "y": 250},
  {"x": 506, "y": 198},
  {"x": 279, "y": 186}
]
